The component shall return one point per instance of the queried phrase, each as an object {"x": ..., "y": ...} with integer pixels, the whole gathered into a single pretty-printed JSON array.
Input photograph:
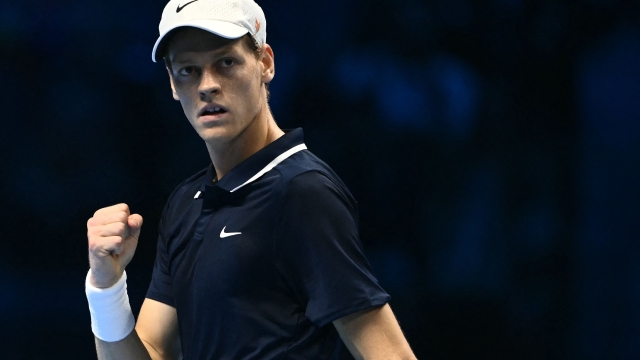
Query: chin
[{"x": 217, "y": 135}]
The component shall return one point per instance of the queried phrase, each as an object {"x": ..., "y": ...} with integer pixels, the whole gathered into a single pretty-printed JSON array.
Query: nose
[{"x": 209, "y": 84}]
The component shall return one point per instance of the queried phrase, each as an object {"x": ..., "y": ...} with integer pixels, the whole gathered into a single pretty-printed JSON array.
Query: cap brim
[{"x": 221, "y": 28}]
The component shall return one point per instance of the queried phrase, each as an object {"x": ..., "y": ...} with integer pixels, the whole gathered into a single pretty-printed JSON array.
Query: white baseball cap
[{"x": 229, "y": 19}]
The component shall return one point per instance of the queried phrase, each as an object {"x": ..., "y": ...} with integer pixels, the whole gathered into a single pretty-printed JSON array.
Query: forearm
[
  {"x": 374, "y": 334},
  {"x": 129, "y": 348}
]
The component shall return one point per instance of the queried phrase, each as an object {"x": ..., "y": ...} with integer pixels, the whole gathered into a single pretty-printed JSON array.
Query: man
[{"x": 258, "y": 255}]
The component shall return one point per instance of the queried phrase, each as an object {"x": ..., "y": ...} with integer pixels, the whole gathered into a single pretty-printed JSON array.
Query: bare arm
[
  {"x": 155, "y": 336},
  {"x": 374, "y": 334},
  {"x": 158, "y": 329},
  {"x": 128, "y": 348}
]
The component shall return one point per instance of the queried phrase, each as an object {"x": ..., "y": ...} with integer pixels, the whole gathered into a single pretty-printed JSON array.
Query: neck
[{"x": 261, "y": 131}]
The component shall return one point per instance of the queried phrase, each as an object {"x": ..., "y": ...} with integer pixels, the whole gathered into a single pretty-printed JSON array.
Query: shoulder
[
  {"x": 304, "y": 171},
  {"x": 308, "y": 181}
]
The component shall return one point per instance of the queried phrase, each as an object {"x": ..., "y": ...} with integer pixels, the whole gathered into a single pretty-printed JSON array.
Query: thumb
[{"x": 135, "y": 224}]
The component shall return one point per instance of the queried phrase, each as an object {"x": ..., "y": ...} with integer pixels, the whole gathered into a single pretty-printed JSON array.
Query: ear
[
  {"x": 173, "y": 87},
  {"x": 268, "y": 64}
]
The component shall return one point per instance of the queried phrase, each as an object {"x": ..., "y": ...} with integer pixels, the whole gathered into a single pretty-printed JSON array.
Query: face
[{"x": 219, "y": 82}]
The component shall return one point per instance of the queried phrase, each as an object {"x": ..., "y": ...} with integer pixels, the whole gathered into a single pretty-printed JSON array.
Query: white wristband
[{"x": 111, "y": 316}]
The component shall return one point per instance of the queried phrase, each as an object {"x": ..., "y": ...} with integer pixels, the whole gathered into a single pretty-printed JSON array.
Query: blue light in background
[
  {"x": 457, "y": 85},
  {"x": 398, "y": 89},
  {"x": 475, "y": 257},
  {"x": 9, "y": 297},
  {"x": 440, "y": 95},
  {"x": 609, "y": 89},
  {"x": 17, "y": 18},
  {"x": 355, "y": 73},
  {"x": 607, "y": 308},
  {"x": 134, "y": 62},
  {"x": 393, "y": 267},
  {"x": 402, "y": 99}
]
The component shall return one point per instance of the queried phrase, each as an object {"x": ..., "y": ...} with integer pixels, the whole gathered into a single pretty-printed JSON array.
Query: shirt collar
[{"x": 259, "y": 163}]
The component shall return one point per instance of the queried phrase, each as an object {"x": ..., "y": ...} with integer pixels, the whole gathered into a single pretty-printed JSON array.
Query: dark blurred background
[{"x": 493, "y": 146}]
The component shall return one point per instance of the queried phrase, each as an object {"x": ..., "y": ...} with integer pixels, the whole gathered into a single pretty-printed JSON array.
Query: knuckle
[
  {"x": 92, "y": 232},
  {"x": 124, "y": 207},
  {"x": 119, "y": 228},
  {"x": 93, "y": 246},
  {"x": 122, "y": 216}
]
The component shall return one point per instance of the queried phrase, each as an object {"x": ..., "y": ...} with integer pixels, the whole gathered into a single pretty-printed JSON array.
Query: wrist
[
  {"x": 111, "y": 316},
  {"x": 100, "y": 282}
]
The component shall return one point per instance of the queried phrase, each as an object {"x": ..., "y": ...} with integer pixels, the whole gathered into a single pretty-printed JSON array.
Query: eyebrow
[{"x": 186, "y": 57}]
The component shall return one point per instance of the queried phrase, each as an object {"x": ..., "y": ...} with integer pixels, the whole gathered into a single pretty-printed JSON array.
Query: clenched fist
[{"x": 113, "y": 236}]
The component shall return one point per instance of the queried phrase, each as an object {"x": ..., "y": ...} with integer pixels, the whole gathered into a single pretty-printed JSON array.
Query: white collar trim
[{"x": 273, "y": 164}]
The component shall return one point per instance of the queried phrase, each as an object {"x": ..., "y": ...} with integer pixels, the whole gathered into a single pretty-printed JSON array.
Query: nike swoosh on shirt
[
  {"x": 182, "y": 7},
  {"x": 226, "y": 234}
]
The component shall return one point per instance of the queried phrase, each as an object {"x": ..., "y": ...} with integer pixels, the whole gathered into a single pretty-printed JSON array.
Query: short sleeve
[
  {"x": 319, "y": 252},
  {"x": 161, "y": 287}
]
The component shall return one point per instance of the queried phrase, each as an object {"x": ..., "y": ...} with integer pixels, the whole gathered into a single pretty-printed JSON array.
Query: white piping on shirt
[{"x": 273, "y": 164}]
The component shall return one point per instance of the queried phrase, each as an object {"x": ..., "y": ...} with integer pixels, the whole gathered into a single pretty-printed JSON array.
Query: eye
[
  {"x": 186, "y": 71},
  {"x": 227, "y": 62}
]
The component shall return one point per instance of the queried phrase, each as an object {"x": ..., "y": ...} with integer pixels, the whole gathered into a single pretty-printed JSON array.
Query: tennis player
[{"x": 258, "y": 255}]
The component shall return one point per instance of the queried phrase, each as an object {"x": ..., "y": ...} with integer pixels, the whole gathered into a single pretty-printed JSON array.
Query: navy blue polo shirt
[{"x": 260, "y": 263}]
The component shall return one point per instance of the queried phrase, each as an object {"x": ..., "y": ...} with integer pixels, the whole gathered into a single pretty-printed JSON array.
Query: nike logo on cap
[
  {"x": 226, "y": 234},
  {"x": 182, "y": 7}
]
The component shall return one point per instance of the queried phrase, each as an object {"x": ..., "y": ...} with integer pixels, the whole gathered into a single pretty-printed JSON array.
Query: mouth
[{"x": 212, "y": 110}]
